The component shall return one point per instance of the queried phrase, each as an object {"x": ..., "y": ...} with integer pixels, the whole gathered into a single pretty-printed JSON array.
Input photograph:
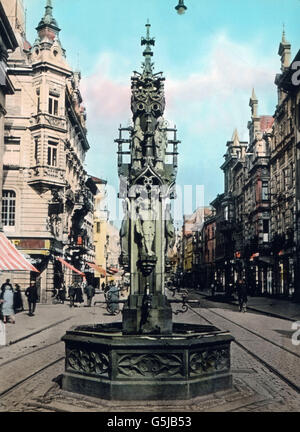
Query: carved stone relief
[
  {"x": 88, "y": 362},
  {"x": 150, "y": 365}
]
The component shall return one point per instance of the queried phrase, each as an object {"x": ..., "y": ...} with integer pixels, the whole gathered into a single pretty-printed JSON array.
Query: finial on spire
[
  {"x": 284, "y": 51},
  {"x": 253, "y": 96},
  {"x": 235, "y": 137},
  {"x": 148, "y": 41},
  {"x": 283, "y": 33},
  {"x": 253, "y": 103}
]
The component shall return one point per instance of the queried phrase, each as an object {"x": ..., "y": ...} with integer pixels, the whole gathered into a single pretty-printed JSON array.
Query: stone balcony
[
  {"x": 46, "y": 176},
  {"x": 48, "y": 120}
]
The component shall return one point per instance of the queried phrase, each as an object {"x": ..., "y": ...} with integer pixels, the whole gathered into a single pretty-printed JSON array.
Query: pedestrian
[
  {"x": 18, "y": 301},
  {"x": 62, "y": 294},
  {"x": 112, "y": 297},
  {"x": 103, "y": 286},
  {"x": 78, "y": 294},
  {"x": 32, "y": 297},
  {"x": 7, "y": 283},
  {"x": 242, "y": 295},
  {"x": 90, "y": 292},
  {"x": 71, "y": 294},
  {"x": 213, "y": 288},
  {"x": 7, "y": 303}
]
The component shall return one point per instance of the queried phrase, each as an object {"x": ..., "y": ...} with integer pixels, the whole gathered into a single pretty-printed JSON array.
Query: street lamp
[{"x": 181, "y": 8}]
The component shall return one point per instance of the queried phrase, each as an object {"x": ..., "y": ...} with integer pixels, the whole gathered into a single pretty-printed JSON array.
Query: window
[
  {"x": 36, "y": 150},
  {"x": 265, "y": 191},
  {"x": 52, "y": 154},
  {"x": 53, "y": 105},
  {"x": 8, "y": 208}
]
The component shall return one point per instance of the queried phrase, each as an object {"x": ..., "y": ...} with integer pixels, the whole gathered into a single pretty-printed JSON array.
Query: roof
[
  {"x": 266, "y": 121},
  {"x": 98, "y": 180},
  {"x": 11, "y": 259}
]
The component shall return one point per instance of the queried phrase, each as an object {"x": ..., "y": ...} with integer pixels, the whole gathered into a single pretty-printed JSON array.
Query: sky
[{"x": 212, "y": 57}]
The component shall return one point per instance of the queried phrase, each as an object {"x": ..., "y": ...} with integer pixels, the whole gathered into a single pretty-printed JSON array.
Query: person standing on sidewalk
[
  {"x": 90, "y": 292},
  {"x": 32, "y": 297},
  {"x": 242, "y": 294},
  {"x": 71, "y": 295},
  {"x": 7, "y": 304},
  {"x": 18, "y": 301},
  {"x": 78, "y": 294}
]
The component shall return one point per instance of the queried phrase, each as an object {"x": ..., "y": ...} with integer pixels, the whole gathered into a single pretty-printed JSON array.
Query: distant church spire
[
  {"x": 235, "y": 138},
  {"x": 253, "y": 104},
  {"x": 148, "y": 54},
  {"x": 284, "y": 51}
]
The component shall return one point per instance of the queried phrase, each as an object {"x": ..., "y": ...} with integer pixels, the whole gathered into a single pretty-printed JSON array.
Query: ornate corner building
[{"x": 48, "y": 198}]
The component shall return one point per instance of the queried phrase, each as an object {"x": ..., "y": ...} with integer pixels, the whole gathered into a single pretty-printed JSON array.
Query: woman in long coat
[
  {"x": 7, "y": 300},
  {"x": 18, "y": 301}
]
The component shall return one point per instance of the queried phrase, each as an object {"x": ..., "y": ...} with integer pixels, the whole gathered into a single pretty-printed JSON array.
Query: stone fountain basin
[{"x": 102, "y": 362}]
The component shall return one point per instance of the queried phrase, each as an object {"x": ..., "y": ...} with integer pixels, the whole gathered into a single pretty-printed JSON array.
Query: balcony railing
[{"x": 47, "y": 175}]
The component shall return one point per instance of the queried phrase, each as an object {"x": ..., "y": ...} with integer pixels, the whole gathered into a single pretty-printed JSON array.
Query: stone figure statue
[
  {"x": 137, "y": 139},
  {"x": 160, "y": 142},
  {"x": 261, "y": 145},
  {"x": 124, "y": 236},
  {"x": 145, "y": 228},
  {"x": 169, "y": 228}
]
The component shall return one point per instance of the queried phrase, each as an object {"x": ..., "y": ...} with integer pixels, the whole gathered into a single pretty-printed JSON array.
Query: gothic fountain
[{"x": 147, "y": 356}]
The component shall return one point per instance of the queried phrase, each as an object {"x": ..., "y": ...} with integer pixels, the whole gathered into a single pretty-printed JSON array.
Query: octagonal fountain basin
[{"x": 102, "y": 362}]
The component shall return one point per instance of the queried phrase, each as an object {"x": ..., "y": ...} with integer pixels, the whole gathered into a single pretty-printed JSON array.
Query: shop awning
[
  {"x": 112, "y": 270},
  {"x": 70, "y": 267},
  {"x": 11, "y": 259},
  {"x": 98, "y": 269}
]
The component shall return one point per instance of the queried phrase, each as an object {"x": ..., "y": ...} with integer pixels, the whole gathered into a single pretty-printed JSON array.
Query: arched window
[{"x": 8, "y": 208}]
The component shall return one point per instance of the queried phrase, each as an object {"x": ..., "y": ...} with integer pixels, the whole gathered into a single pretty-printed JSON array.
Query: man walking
[
  {"x": 32, "y": 297},
  {"x": 71, "y": 295},
  {"x": 242, "y": 294},
  {"x": 90, "y": 292}
]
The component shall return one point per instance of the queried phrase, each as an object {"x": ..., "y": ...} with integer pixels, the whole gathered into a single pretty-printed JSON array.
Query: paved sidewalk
[
  {"x": 48, "y": 315},
  {"x": 278, "y": 308}
]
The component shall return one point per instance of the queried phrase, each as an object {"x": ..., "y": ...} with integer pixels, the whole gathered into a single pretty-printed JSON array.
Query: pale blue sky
[{"x": 211, "y": 57}]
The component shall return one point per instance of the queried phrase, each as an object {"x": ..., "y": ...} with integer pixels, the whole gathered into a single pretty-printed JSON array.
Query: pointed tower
[
  {"x": 235, "y": 138},
  {"x": 253, "y": 103},
  {"x": 48, "y": 27},
  {"x": 284, "y": 52},
  {"x": 48, "y": 38},
  {"x": 147, "y": 186}
]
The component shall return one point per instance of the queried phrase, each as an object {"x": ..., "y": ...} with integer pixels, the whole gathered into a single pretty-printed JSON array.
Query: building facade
[
  {"x": 285, "y": 180},
  {"x": 100, "y": 232},
  {"x": 48, "y": 197},
  {"x": 8, "y": 43}
]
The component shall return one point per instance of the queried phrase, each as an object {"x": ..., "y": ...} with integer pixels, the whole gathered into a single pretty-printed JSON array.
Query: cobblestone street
[{"x": 264, "y": 363}]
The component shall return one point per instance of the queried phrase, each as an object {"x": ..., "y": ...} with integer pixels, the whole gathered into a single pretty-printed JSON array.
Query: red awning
[
  {"x": 112, "y": 270},
  {"x": 97, "y": 268},
  {"x": 11, "y": 259},
  {"x": 70, "y": 266}
]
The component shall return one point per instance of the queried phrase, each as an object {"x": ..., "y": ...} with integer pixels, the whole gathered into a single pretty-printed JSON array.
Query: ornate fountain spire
[{"x": 148, "y": 53}]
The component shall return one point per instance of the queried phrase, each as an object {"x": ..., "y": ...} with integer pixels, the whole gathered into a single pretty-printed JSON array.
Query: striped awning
[
  {"x": 98, "y": 269},
  {"x": 11, "y": 259},
  {"x": 112, "y": 270},
  {"x": 70, "y": 267}
]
